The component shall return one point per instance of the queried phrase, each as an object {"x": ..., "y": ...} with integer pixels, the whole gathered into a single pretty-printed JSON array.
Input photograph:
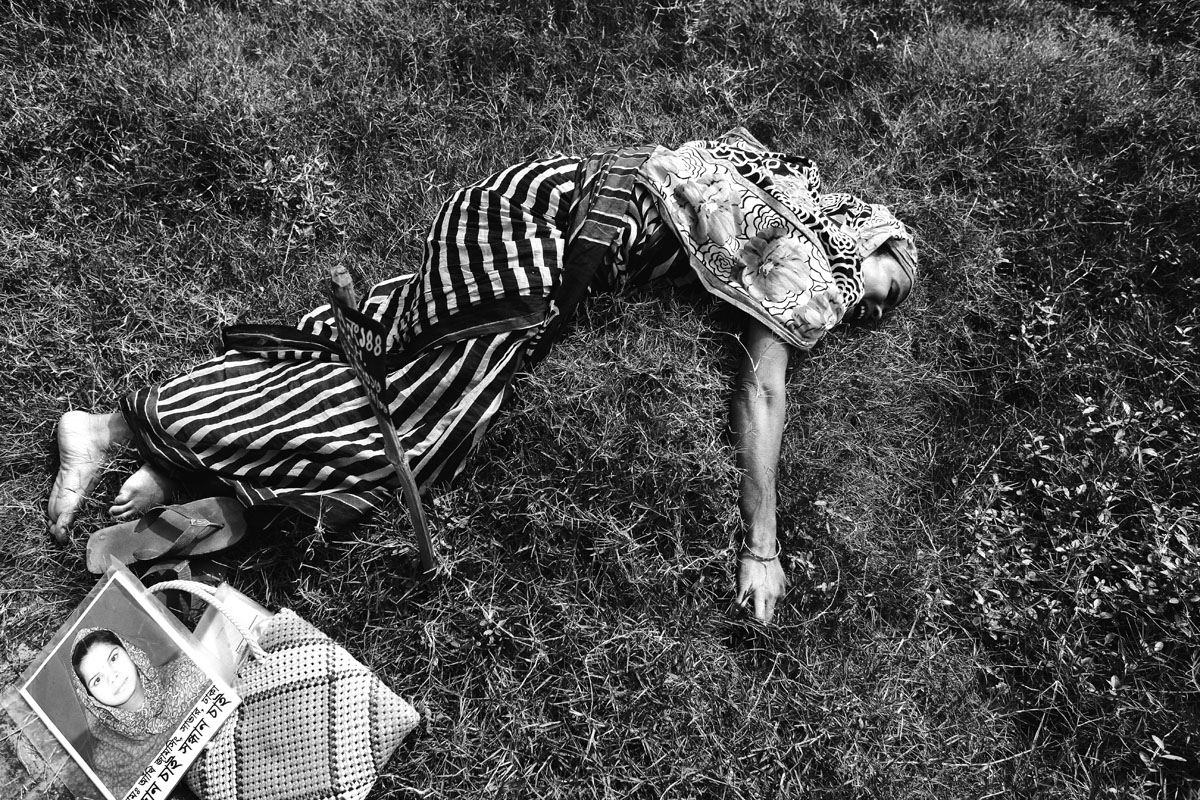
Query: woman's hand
[{"x": 760, "y": 585}]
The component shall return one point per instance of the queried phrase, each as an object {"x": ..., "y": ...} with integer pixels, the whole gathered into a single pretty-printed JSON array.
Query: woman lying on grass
[{"x": 282, "y": 420}]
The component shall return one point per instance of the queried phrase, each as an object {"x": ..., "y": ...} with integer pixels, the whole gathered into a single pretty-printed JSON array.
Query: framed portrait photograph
[{"x": 128, "y": 694}]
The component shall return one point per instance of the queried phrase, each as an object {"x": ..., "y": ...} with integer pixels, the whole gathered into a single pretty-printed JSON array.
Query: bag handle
[{"x": 206, "y": 593}]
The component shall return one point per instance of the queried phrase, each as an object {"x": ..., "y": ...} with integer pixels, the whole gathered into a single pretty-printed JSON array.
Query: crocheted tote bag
[{"x": 314, "y": 723}]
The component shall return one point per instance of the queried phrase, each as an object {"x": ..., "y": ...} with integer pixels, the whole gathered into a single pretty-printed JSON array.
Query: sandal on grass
[{"x": 190, "y": 529}]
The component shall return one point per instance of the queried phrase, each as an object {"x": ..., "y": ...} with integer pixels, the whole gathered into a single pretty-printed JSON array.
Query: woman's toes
[
  {"x": 127, "y": 511},
  {"x": 122, "y": 509},
  {"x": 142, "y": 491},
  {"x": 60, "y": 526}
]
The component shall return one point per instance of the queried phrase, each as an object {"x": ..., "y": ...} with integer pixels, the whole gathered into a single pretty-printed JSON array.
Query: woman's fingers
[
  {"x": 759, "y": 588},
  {"x": 764, "y": 606}
]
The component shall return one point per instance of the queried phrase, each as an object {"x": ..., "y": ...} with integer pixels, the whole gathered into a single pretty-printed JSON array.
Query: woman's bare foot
[
  {"x": 142, "y": 491},
  {"x": 84, "y": 441}
]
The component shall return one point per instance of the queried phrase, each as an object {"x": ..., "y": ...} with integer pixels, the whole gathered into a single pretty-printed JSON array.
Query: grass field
[{"x": 989, "y": 507}]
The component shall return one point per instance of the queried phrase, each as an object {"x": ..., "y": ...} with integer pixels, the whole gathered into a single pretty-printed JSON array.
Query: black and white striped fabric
[
  {"x": 281, "y": 417},
  {"x": 286, "y": 422}
]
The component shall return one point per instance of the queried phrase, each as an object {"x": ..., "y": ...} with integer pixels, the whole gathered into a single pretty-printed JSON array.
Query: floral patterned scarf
[{"x": 759, "y": 233}]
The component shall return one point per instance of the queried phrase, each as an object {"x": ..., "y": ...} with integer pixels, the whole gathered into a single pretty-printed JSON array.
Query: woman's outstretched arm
[{"x": 757, "y": 418}]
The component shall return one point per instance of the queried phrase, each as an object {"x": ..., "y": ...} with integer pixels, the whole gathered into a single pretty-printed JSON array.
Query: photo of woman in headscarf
[
  {"x": 131, "y": 704},
  {"x": 112, "y": 688}
]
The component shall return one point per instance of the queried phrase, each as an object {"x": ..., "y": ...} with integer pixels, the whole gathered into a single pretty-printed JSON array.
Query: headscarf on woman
[{"x": 759, "y": 233}]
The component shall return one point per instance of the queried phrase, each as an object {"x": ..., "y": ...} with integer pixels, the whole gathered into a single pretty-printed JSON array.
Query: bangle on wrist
[{"x": 749, "y": 551}]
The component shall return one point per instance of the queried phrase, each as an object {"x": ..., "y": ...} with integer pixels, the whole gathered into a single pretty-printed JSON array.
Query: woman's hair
[{"x": 90, "y": 640}]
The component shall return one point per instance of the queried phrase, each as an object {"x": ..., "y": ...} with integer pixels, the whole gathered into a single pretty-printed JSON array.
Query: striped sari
[{"x": 281, "y": 417}]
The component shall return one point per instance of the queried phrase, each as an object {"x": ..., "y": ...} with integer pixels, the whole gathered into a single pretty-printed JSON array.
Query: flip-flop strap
[{"x": 193, "y": 530}]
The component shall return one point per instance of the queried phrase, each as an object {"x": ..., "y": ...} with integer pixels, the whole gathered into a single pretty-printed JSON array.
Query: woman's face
[
  {"x": 885, "y": 286},
  {"x": 111, "y": 677}
]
